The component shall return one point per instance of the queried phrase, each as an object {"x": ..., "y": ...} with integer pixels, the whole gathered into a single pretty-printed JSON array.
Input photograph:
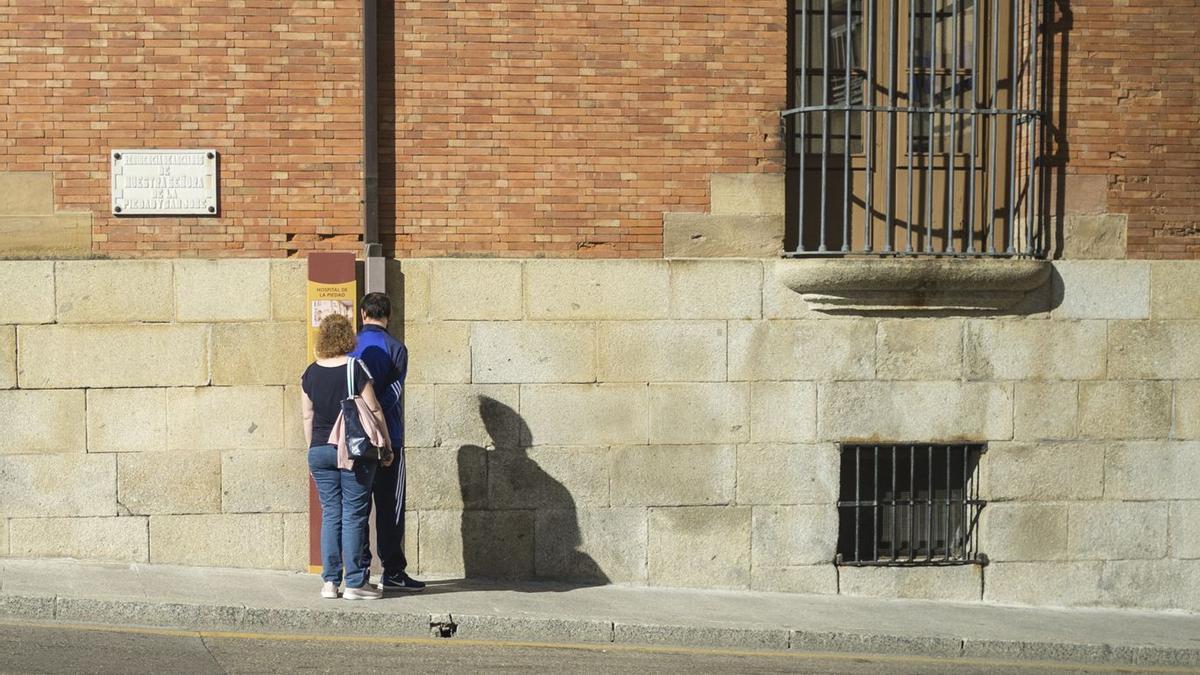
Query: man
[{"x": 387, "y": 360}]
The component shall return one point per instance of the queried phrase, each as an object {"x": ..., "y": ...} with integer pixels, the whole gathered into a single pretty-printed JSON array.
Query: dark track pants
[{"x": 388, "y": 493}]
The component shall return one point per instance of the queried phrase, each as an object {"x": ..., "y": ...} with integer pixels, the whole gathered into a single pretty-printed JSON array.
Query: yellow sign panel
[
  {"x": 326, "y": 299},
  {"x": 331, "y": 290}
]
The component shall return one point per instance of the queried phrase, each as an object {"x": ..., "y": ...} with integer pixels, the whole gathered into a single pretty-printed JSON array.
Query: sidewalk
[{"x": 257, "y": 601}]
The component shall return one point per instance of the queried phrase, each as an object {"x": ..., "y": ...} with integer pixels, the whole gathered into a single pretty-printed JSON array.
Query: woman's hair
[{"x": 335, "y": 337}]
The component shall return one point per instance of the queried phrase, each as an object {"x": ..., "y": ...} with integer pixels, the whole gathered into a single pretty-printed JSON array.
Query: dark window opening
[{"x": 905, "y": 504}]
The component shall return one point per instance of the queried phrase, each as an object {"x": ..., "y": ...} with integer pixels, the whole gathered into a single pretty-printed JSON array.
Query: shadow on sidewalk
[
  {"x": 518, "y": 523},
  {"x": 448, "y": 586}
]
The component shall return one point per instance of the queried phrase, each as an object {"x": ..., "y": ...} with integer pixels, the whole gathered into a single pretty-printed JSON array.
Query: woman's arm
[
  {"x": 368, "y": 394},
  {"x": 306, "y": 413}
]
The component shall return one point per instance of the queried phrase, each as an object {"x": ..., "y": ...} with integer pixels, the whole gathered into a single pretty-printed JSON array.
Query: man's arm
[{"x": 400, "y": 362}]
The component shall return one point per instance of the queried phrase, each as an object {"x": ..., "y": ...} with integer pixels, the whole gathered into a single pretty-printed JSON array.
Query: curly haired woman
[{"x": 343, "y": 484}]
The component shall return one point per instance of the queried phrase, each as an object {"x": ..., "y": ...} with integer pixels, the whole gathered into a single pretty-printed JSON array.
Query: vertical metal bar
[
  {"x": 857, "y": 501},
  {"x": 912, "y": 502},
  {"x": 1012, "y": 127},
  {"x": 802, "y": 118},
  {"x": 825, "y": 121},
  {"x": 973, "y": 549},
  {"x": 912, "y": 95},
  {"x": 970, "y": 200},
  {"x": 1031, "y": 126},
  {"x": 870, "y": 7},
  {"x": 847, "y": 201},
  {"x": 993, "y": 118},
  {"x": 1039, "y": 81},
  {"x": 946, "y": 452},
  {"x": 889, "y": 180},
  {"x": 966, "y": 502},
  {"x": 929, "y": 505},
  {"x": 952, "y": 154},
  {"x": 875, "y": 510},
  {"x": 895, "y": 548},
  {"x": 1039, "y": 143},
  {"x": 931, "y": 69}
]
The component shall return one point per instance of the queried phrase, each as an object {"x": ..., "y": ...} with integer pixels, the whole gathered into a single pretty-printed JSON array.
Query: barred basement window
[{"x": 904, "y": 504}]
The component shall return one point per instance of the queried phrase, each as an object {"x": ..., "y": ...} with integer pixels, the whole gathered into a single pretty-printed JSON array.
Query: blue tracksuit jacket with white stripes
[{"x": 387, "y": 360}]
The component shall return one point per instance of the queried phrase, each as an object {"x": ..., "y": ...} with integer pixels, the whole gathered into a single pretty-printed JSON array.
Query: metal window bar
[
  {"x": 910, "y": 505},
  {"x": 959, "y": 82}
]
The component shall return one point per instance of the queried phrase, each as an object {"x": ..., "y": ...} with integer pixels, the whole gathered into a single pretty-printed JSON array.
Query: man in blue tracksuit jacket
[{"x": 387, "y": 360}]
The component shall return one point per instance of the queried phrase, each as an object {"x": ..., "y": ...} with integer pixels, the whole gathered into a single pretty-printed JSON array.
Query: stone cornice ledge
[{"x": 913, "y": 286}]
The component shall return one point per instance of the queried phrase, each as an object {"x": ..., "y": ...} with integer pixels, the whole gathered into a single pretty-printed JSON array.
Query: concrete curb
[{"x": 360, "y": 620}]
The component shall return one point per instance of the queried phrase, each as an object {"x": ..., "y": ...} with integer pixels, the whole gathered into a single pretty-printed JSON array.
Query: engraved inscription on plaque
[{"x": 164, "y": 182}]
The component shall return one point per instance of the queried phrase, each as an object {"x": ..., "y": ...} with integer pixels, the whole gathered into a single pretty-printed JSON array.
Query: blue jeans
[{"x": 345, "y": 505}]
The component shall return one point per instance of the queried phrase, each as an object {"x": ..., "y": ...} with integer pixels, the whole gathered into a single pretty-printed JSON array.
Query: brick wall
[
  {"x": 273, "y": 86},
  {"x": 518, "y": 128},
  {"x": 1133, "y": 115},
  {"x": 522, "y": 128},
  {"x": 530, "y": 128}
]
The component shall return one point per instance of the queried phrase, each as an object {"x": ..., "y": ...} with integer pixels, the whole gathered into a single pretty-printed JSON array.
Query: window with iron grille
[
  {"x": 904, "y": 504},
  {"x": 913, "y": 128}
]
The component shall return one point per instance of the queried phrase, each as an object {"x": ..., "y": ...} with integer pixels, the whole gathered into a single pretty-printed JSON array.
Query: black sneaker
[{"x": 400, "y": 582}]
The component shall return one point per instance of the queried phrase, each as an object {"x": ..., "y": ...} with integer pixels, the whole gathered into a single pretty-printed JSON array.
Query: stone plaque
[{"x": 164, "y": 182}]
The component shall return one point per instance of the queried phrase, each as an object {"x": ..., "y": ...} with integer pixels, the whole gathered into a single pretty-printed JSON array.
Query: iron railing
[
  {"x": 904, "y": 504},
  {"x": 913, "y": 128}
]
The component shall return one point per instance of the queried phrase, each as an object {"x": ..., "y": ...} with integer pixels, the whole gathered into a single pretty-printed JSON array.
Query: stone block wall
[
  {"x": 148, "y": 412},
  {"x": 648, "y": 422}
]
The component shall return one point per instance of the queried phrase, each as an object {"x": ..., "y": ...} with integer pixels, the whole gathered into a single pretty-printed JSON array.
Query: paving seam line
[{"x": 549, "y": 629}]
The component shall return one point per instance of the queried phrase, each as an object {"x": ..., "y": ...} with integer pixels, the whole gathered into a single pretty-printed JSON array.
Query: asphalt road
[{"x": 61, "y": 648}]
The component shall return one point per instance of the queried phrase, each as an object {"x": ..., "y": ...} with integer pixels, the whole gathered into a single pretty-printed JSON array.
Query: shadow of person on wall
[{"x": 518, "y": 523}]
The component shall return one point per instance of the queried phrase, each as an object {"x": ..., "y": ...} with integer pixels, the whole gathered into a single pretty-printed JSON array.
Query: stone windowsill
[{"x": 872, "y": 285}]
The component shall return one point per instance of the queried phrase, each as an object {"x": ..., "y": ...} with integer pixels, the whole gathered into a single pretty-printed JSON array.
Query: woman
[{"x": 344, "y": 486}]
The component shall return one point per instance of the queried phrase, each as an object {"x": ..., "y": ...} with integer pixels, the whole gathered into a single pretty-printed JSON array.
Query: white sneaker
[
  {"x": 363, "y": 593},
  {"x": 329, "y": 591}
]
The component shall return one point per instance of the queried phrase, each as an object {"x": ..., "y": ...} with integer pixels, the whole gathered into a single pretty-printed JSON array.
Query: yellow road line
[{"x": 605, "y": 647}]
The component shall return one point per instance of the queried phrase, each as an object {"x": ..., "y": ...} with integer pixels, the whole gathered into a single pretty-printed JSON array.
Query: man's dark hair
[{"x": 376, "y": 306}]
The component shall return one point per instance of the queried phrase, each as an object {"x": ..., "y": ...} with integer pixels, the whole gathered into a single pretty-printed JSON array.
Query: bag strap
[{"x": 349, "y": 377}]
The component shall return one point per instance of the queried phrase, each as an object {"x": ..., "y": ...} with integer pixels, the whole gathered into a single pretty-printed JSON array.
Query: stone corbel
[{"x": 912, "y": 286}]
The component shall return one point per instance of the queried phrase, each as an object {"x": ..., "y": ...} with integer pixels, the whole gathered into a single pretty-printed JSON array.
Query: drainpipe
[{"x": 372, "y": 249}]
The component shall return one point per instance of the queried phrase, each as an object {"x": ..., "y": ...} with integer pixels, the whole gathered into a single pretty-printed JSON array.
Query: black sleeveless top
[{"x": 326, "y": 387}]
